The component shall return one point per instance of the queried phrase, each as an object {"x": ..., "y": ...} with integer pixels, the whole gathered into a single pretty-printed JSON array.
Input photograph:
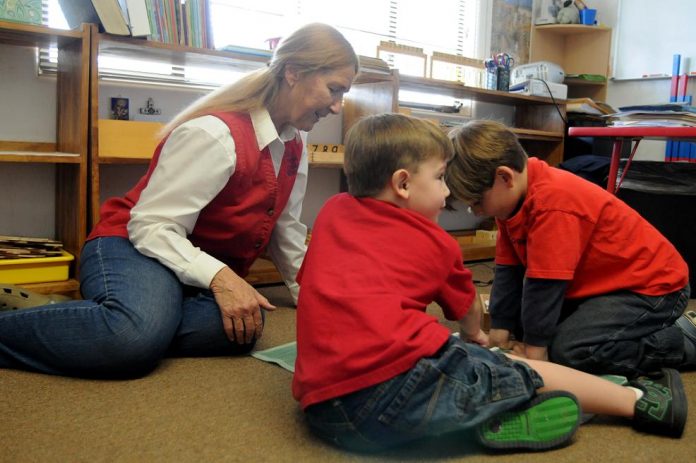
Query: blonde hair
[
  {"x": 379, "y": 145},
  {"x": 312, "y": 48},
  {"x": 480, "y": 147}
]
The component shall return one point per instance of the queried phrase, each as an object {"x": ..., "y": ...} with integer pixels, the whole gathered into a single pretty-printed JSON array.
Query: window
[{"x": 457, "y": 27}]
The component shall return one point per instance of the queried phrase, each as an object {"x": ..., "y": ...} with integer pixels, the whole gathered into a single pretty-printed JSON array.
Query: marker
[{"x": 656, "y": 75}]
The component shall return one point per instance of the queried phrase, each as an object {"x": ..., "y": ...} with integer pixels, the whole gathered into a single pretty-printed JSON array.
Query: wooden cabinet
[
  {"x": 537, "y": 121},
  {"x": 578, "y": 49},
  {"x": 69, "y": 152}
]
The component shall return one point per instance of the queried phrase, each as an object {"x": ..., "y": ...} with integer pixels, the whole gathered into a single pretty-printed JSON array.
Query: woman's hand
[{"x": 240, "y": 306}]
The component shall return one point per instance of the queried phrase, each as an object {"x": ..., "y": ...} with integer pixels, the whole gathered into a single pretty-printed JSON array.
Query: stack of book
[
  {"x": 168, "y": 21},
  {"x": 22, "y": 247},
  {"x": 656, "y": 115}
]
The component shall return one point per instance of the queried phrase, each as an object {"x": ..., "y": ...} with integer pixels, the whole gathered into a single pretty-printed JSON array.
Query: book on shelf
[
  {"x": 21, "y": 11},
  {"x": 111, "y": 14},
  {"x": 138, "y": 18}
]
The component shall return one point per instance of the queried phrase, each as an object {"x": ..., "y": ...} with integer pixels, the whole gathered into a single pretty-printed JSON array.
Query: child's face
[
  {"x": 427, "y": 188},
  {"x": 501, "y": 200}
]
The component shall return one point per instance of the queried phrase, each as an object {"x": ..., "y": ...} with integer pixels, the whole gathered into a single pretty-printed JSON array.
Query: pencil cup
[
  {"x": 588, "y": 16},
  {"x": 492, "y": 79},
  {"x": 503, "y": 78}
]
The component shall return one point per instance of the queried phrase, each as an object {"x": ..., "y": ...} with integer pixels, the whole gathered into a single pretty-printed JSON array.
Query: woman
[{"x": 162, "y": 272}]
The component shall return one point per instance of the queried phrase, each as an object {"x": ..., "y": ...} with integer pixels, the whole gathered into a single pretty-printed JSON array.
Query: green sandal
[
  {"x": 547, "y": 421},
  {"x": 14, "y": 298}
]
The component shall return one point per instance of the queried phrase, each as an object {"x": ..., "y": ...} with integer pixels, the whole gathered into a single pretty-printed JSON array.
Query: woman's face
[{"x": 316, "y": 95}]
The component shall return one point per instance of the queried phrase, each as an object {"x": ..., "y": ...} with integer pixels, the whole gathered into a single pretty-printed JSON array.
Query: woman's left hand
[{"x": 240, "y": 306}]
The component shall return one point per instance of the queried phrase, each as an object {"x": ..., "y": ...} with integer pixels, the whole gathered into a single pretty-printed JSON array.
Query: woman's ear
[
  {"x": 400, "y": 183},
  {"x": 292, "y": 75}
]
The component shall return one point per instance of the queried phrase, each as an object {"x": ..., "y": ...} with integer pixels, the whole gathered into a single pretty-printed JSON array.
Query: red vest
[{"x": 236, "y": 225}]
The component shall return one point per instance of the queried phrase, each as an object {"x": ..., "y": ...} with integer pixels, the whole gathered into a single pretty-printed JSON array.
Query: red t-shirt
[
  {"x": 370, "y": 271},
  {"x": 570, "y": 229}
]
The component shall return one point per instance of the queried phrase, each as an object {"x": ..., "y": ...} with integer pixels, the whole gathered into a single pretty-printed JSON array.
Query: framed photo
[{"x": 119, "y": 108}]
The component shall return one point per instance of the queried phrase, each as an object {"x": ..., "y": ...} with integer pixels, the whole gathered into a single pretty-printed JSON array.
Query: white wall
[{"x": 637, "y": 91}]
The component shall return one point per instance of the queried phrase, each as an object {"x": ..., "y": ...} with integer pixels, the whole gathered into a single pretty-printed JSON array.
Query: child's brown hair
[
  {"x": 379, "y": 145},
  {"x": 480, "y": 147}
]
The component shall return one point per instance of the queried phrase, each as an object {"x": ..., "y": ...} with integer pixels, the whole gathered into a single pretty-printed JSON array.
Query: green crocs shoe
[
  {"x": 547, "y": 421},
  {"x": 13, "y": 298},
  {"x": 663, "y": 408}
]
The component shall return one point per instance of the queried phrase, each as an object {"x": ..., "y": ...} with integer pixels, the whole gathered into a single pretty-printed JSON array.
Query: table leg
[{"x": 614, "y": 166}]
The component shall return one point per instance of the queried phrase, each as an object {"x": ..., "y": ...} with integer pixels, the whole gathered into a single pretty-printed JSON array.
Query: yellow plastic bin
[{"x": 36, "y": 270}]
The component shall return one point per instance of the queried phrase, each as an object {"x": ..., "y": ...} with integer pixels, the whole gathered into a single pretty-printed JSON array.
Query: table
[{"x": 620, "y": 134}]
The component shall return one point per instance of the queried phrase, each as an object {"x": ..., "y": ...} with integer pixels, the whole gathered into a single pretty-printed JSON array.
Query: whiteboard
[{"x": 649, "y": 33}]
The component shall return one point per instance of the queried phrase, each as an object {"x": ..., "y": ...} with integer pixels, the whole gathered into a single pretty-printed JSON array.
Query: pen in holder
[
  {"x": 491, "y": 74},
  {"x": 504, "y": 78}
]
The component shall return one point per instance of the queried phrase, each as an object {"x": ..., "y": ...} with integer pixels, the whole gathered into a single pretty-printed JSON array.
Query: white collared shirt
[{"x": 196, "y": 162}]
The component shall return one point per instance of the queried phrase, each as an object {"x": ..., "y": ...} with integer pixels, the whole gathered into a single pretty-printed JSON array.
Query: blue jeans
[
  {"x": 623, "y": 333},
  {"x": 459, "y": 387},
  {"x": 134, "y": 313}
]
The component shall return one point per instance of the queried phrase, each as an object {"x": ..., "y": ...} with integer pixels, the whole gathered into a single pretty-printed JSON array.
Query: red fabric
[
  {"x": 236, "y": 225},
  {"x": 370, "y": 271},
  {"x": 570, "y": 229}
]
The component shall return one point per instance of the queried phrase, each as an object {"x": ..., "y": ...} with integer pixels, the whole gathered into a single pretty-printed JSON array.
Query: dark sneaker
[
  {"x": 687, "y": 323},
  {"x": 663, "y": 407},
  {"x": 13, "y": 298},
  {"x": 548, "y": 420}
]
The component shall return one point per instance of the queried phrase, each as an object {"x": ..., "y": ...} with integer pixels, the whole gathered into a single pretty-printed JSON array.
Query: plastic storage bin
[{"x": 35, "y": 270}]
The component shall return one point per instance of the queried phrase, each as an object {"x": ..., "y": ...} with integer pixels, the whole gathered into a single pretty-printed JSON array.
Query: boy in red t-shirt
[
  {"x": 580, "y": 277},
  {"x": 374, "y": 370}
]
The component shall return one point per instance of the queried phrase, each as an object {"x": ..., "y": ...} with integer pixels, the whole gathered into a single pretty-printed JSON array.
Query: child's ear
[
  {"x": 505, "y": 174},
  {"x": 400, "y": 183}
]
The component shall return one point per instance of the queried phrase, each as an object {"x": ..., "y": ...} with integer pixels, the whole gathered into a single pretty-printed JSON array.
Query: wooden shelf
[
  {"x": 29, "y": 35},
  {"x": 458, "y": 90},
  {"x": 541, "y": 135},
  {"x": 69, "y": 150},
  {"x": 178, "y": 55},
  {"x": 40, "y": 157},
  {"x": 69, "y": 287},
  {"x": 577, "y": 49},
  {"x": 571, "y": 29}
]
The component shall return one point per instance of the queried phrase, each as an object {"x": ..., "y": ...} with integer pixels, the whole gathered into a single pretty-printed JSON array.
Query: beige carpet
[{"x": 241, "y": 409}]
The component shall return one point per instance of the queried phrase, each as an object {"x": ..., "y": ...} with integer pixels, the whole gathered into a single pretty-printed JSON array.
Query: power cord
[{"x": 565, "y": 121}]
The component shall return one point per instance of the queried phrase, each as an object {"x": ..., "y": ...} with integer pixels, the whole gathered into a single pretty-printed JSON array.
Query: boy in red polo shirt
[
  {"x": 580, "y": 278},
  {"x": 374, "y": 370}
]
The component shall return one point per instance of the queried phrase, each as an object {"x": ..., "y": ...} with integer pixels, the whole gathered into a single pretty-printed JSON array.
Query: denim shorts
[{"x": 459, "y": 387}]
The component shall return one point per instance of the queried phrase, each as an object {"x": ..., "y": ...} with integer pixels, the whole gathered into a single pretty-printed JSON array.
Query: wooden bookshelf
[
  {"x": 69, "y": 151},
  {"x": 578, "y": 49}
]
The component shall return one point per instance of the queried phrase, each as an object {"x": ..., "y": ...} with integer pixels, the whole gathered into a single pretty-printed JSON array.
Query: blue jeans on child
[
  {"x": 459, "y": 387},
  {"x": 135, "y": 312},
  {"x": 624, "y": 333}
]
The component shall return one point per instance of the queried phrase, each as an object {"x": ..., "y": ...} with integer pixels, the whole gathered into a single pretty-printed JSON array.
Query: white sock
[{"x": 639, "y": 392}]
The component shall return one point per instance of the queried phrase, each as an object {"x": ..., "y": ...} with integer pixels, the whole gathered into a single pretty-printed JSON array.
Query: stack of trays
[{"x": 32, "y": 260}]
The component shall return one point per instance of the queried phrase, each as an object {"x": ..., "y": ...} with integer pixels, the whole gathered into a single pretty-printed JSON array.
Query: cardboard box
[{"x": 35, "y": 270}]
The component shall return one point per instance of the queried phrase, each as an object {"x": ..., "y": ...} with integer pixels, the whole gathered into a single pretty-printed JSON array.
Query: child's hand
[
  {"x": 536, "y": 352},
  {"x": 500, "y": 338},
  {"x": 480, "y": 338}
]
